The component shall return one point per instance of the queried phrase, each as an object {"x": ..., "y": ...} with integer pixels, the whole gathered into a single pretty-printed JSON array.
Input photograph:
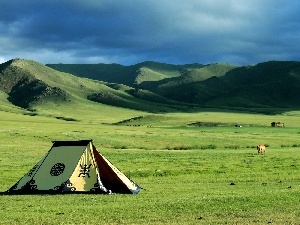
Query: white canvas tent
[{"x": 74, "y": 167}]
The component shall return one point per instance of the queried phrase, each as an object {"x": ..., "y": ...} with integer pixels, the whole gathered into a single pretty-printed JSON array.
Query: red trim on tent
[{"x": 108, "y": 177}]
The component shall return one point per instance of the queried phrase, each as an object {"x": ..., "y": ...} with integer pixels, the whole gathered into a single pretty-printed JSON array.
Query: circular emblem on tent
[{"x": 57, "y": 169}]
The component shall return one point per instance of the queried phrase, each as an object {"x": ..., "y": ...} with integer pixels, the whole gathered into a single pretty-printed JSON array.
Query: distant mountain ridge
[
  {"x": 153, "y": 86},
  {"x": 127, "y": 75},
  {"x": 267, "y": 84}
]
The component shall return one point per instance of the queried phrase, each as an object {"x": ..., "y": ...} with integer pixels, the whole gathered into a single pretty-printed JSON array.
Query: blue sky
[{"x": 131, "y": 31}]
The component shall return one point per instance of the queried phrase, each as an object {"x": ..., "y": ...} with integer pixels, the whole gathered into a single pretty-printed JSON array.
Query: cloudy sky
[{"x": 239, "y": 32}]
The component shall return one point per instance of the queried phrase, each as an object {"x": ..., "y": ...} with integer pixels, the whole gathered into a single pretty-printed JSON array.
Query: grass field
[{"x": 195, "y": 168}]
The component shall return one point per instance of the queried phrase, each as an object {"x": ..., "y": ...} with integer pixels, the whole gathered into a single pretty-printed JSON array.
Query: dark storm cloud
[{"x": 127, "y": 32}]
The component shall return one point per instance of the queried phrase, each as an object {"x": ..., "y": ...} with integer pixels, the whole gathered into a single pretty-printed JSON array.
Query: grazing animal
[
  {"x": 261, "y": 149},
  {"x": 277, "y": 124}
]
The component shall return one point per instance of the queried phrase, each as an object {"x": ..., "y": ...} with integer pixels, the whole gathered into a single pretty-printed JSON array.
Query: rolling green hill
[
  {"x": 128, "y": 75},
  {"x": 154, "y": 87},
  {"x": 273, "y": 84},
  {"x": 30, "y": 85}
]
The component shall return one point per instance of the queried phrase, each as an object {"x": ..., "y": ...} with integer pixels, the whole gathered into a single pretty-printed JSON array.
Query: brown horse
[{"x": 261, "y": 149}]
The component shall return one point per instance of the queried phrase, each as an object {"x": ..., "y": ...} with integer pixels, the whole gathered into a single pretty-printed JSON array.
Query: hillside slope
[
  {"x": 275, "y": 84},
  {"x": 29, "y": 84},
  {"x": 165, "y": 80},
  {"x": 128, "y": 75},
  {"x": 25, "y": 84},
  {"x": 154, "y": 87},
  {"x": 267, "y": 84}
]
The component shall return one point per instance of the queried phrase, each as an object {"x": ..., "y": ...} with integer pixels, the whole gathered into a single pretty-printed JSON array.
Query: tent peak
[{"x": 72, "y": 143}]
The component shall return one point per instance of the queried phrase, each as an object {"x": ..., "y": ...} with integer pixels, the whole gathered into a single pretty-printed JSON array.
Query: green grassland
[
  {"x": 194, "y": 164},
  {"x": 195, "y": 168}
]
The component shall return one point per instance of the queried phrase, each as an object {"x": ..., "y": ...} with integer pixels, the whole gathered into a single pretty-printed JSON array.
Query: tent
[{"x": 74, "y": 167}]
